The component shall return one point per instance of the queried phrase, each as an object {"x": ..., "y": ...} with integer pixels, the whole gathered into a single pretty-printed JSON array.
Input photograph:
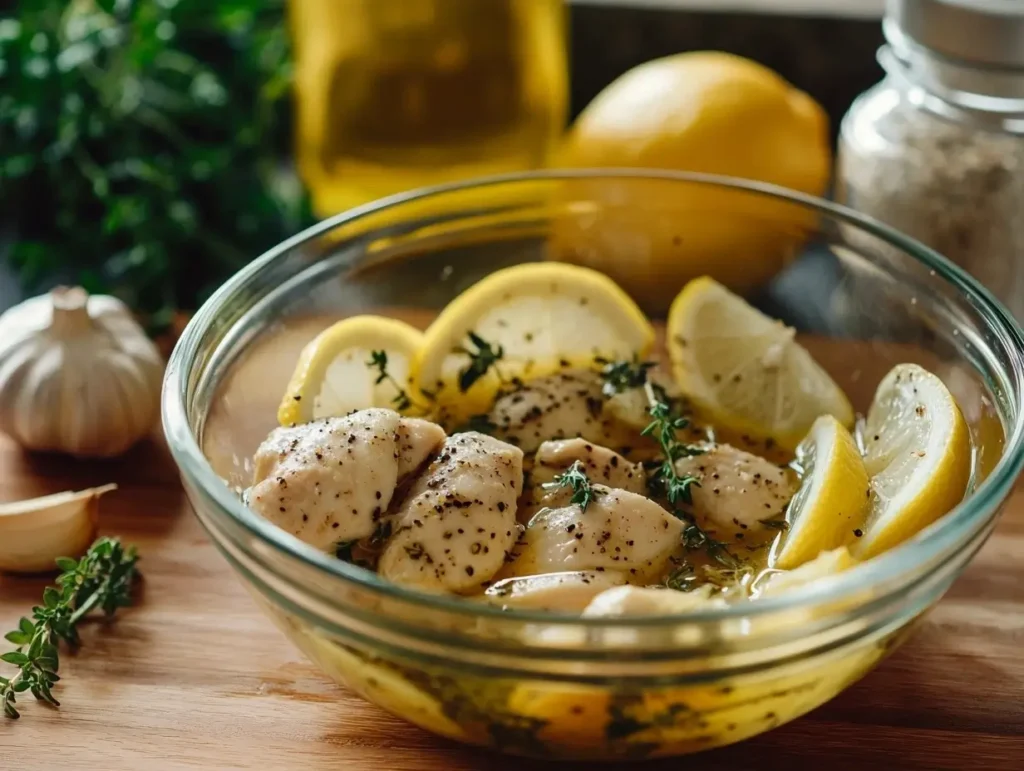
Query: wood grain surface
[{"x": 196, "y": 677}]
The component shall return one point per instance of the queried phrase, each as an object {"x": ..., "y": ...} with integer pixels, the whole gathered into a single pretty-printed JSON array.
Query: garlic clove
[{"x": 35, "y": 532}]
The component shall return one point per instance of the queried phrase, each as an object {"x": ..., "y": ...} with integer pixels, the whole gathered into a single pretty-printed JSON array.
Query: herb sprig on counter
[
  {"x": 482, "y": 356},
  {"x": 101, "y": 580},
  {"x": 576, "y": 478}
]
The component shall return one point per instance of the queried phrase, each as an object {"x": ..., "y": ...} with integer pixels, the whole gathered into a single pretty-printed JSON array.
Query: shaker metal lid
[{"x": 988, "y": 33}]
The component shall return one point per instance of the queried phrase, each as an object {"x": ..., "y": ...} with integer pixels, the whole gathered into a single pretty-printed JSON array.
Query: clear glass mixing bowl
[{"x": 862, "y": 296}]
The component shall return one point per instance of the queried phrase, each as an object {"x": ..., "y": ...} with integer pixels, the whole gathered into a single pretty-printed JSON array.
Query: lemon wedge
[
  {"x": 832, "y": 503},
  {"x": 540, "y": 317},
  {"x": 917, "y": 449},
  {"x": 334, "y": 375},
  {"x": 744, "y": 370},
  {"x": 826, "y": 564}
]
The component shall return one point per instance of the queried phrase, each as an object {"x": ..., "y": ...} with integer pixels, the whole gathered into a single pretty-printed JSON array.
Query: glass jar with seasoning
[
  {"x": 936, "y": 149},
  {"x": 398, "y": 94}
]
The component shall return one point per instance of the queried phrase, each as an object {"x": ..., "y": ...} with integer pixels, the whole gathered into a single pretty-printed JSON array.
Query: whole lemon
[{"x": 702, "y": 111}]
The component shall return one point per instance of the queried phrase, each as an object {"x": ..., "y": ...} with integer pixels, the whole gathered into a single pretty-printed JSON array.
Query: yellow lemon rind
[
  {"x": 366, "y": 331},
  {"x": 697, "y": 389},
  {"x": 451, "y": 327},
  {"x": 929, "y": 496},
  {"x": 835, "y": 503}
]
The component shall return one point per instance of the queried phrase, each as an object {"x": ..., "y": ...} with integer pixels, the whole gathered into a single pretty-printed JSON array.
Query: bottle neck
[{"x": 986, "y": 97}]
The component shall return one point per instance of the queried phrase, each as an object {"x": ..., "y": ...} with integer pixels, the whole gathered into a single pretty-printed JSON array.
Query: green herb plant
[
  {"x": 143, "y": 144},
  {"x": 101, "y": 580}
]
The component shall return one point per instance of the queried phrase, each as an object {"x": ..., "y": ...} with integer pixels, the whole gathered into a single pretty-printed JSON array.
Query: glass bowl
[{"x": 861, "y": 296}]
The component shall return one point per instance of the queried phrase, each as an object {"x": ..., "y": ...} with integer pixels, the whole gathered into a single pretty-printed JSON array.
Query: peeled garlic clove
[{"x": 34, "y": 533}]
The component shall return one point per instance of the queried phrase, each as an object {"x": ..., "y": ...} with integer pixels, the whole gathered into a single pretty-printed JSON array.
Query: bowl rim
[{"x": 955, "y": 526}]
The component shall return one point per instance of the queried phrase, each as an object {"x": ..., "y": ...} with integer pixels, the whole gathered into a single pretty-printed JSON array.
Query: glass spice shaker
[{"x": 936, "y": 149}]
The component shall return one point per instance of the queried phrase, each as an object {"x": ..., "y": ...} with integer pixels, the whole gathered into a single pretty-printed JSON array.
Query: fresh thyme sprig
[
  {"x": 481, "y": 360},
  {"x": 666, "y": 480},
  {"x": 620, "y": 376},
  {"x": 576, "y": 478},
  {"x": 401, "y": 401},
  {"x": 101, "y": 580}
]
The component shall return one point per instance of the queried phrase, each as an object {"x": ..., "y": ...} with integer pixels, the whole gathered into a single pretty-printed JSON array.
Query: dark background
[{"x": 833, "y": 59}]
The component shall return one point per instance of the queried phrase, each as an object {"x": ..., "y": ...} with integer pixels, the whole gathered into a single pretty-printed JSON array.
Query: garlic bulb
[
  {"x": 34, "y": 533},
  {"x": 77, "y": 375}
]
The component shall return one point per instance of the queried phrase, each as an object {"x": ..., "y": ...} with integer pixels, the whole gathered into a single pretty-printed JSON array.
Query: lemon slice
[
  {"x": 826, "y": 564},
  {"x": 746, "y": 371},
  {"x": 542, "y": 317},
  {"x": 832, "y": 503},
  {"x": 918, "y": 453},
  {"x": 333, "y": 376}
]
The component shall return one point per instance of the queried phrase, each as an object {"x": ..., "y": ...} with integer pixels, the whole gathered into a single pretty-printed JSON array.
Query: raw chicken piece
[
  {"x": 737, "y": 490},
  {"x": 332, "y": 480},
  {"x": 458, "y": 520},
  {"x": 602, "y": 466},
  {"x": 568, "y": 592},
  {"x": 619, "y": 531},
  {"x": 650, "y": 601},
  {"x": 560, "y": 406}
]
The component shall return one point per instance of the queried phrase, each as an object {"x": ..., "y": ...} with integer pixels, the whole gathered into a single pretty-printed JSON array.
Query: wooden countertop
[{"x": 195, "y": 677}]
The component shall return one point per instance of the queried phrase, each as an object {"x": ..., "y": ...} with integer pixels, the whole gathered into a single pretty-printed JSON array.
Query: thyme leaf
[
  {"x": 682, "y": 578},
  {"x": 576, "y": 478},
  {"x": 482, "y": 356},
  {"x": 401, "y": 401},
  {"x": 620, "y": 376}
]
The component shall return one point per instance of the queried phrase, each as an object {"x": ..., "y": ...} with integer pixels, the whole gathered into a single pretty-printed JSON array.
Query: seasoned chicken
[
  {"x": 619, "y": 531},
  {"x": 417, "y": 440},
  {"x": 568, "y": 592},
  {"x": 650, "y": 601},
  {"x": 332, "y": 480},
  {"x": 601, "y": 465},
  {"x": 737, "y": 491},
  {"x": 560, "y": 406},
  {"x": 457, "y": 522}
]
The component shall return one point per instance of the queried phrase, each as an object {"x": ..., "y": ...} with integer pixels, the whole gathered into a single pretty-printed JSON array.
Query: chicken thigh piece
[
  {"x": 568, "y": 592},
  {"x": 561, "y": 406},
  {"x": 738, "y": 490},
  {"x": 650, "y": 601},
  {"x": 457, "y": 522},
  {"x": 619, "y": 531},
  {"x": 332, "y": 480},
  {"x": 601, "y": 465}
]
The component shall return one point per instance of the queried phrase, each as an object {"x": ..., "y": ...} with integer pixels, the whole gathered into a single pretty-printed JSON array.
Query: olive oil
[{"x": 405, "y": 93}]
